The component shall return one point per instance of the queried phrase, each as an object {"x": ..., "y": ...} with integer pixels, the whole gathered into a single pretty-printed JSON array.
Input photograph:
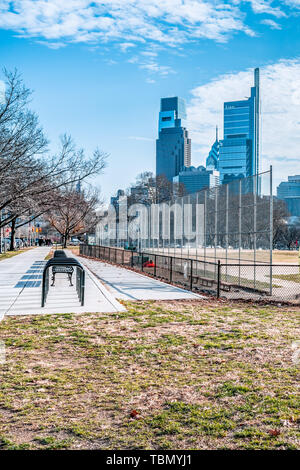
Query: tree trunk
[
  {"x": 65, "y": 237},
  {"x": 12, "y": 237}
]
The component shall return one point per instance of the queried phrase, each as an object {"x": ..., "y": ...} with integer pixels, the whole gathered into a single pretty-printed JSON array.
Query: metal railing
[
  {"x": 61, "y": 262},
  {"x": 219, "y": 279},
  {"x": 80, "y": 283}
]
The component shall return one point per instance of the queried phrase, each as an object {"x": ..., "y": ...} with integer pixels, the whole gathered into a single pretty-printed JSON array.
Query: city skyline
[{"x": 104, "y": 86}]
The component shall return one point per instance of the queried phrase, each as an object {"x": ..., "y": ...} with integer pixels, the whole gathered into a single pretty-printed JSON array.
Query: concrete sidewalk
[
  {"x": 21, "y": 289},
  {"x": 16, "y": 274},
  {"x": 128, "y": 285}
]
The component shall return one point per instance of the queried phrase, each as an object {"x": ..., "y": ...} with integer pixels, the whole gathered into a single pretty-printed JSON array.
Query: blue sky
[{"x": 99, "y": 69}]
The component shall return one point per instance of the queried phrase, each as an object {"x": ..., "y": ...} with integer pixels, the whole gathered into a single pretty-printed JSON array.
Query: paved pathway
[
  {"x": 128, "y": 285},
  {"x": 20, "y": 289}
]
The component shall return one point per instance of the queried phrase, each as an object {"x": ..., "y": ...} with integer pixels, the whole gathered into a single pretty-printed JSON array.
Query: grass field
[
  {"x": 10, "y": 254},
  {"x": 288, "y": 277},
  {"x": 163, "y": 375},
  {"x": 284, "y": 256},
  {"x": 279, "y": 256}
]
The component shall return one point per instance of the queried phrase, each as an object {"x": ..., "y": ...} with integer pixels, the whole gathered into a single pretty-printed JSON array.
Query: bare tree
[
  {"x": 29, "y": 176},
  {"x": 168, "y": 191},
  {"x": 280, "y": 215},
  {"x": 149, "y": 189},
  {"x": 74, "y": 212},
  {"x": 39, "y": 177}
]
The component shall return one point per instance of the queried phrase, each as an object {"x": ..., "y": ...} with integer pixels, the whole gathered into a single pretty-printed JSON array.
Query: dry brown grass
[
  {"x": 279, "y": 256},
  {"x": 200, "y": 375},
  {"x": 10, "y": 254}
]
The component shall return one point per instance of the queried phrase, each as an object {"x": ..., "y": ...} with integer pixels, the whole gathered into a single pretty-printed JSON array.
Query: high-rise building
[
  {"x": 114, "y": 200},
  {"x": 239, "y": 150},
  {"x": 289, "y": 191},
  {"x": 212, "y": 161},
  {"x": 195, "y": 179},
  {"x": 173, "y": 146}
]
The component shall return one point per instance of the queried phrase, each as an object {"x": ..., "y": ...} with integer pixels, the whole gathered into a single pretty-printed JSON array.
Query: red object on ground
[
  {"x": 149, "y": 264},
  {"x": 134, "y": 414}
]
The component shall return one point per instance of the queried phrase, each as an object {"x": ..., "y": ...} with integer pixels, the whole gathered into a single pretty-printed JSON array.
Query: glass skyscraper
[
  {"x": 173, "y": 146},
  {"x": 212, "y": 161},
  {"x": 289, "y": 191},
  {"x": 195, "y": 179},
  {"x": 239, "y": 150}
]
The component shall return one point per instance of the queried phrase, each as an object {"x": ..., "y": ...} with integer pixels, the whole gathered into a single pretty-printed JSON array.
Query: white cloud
[
  {"x": 148, "y": 63},
  {"x": 149, "y": 53},
  {"x": 272, "y": 24},
  {"x": 170, "y": 22},
  {"x": 293, "y": 3},
  {"x": 52, "y": 45},
  {"x": 152, "y": 24},
  {"x": 128, "y": 22},
  {"x": 150, "y": 80},
  {"x": 126, "y": 45},
  {"x": 280, "y": 127},
  {"x": 155, "y": 67},
  {"x": 264, "y": 6}
]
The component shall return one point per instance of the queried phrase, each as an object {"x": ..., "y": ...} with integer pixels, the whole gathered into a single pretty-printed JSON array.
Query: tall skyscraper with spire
[
  {"x": 239, "y": 150},
  {"x": 173, "y": 146},
  {"x": 212, "y": 161}
]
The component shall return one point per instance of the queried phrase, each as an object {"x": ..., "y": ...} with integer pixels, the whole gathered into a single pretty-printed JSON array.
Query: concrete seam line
[
  {"x": 115, "y": 304},
  {"x": 14, "y": 301},
  {"x": 102, "y": 291}
]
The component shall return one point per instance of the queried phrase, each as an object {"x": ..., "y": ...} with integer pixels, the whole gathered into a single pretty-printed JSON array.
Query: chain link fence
[
  {"x": 232, "y": 223},
  {"x": 230, "y": 280}
]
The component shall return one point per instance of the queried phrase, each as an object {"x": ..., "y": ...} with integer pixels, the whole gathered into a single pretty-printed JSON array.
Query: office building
[
  {"x": 115, "y": 200},
  {"x": 195, "y": 179},
  {"x": 173, "y": 146},
  {"x": 239, "y": 150},
  {"x": 289, "y": 191},
  {"x": 212, "y": 161}
]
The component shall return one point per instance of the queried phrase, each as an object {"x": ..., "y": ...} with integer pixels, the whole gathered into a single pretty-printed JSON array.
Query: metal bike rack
[{"x": 62, "y": 264}]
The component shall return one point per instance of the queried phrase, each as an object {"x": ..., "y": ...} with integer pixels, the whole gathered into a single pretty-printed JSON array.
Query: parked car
[
  {"x": 74, "y": 242},
  {"x": 4, "y": 244},
  {"x": 19, "y": 243}
]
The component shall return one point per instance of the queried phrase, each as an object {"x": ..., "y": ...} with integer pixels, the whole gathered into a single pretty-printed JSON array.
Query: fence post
[
  {"x": 142, "y": 261},
  {"x": 82, "y": 287},
  {"x": 154, "y": 265},
  {"x": 271, "y": 229},
  {"x": 219, "y": 279},
  {"x": 191, "y": 280},
  {"x": 123, "y": 257},
  {"x": 171, "y": 263},
  {"x": 131, "y": 261}
]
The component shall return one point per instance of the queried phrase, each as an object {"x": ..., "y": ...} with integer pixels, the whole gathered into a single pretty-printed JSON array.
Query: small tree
[
  {"x": 149, "y": 189},
  {"x": 73, "y": 212}
]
